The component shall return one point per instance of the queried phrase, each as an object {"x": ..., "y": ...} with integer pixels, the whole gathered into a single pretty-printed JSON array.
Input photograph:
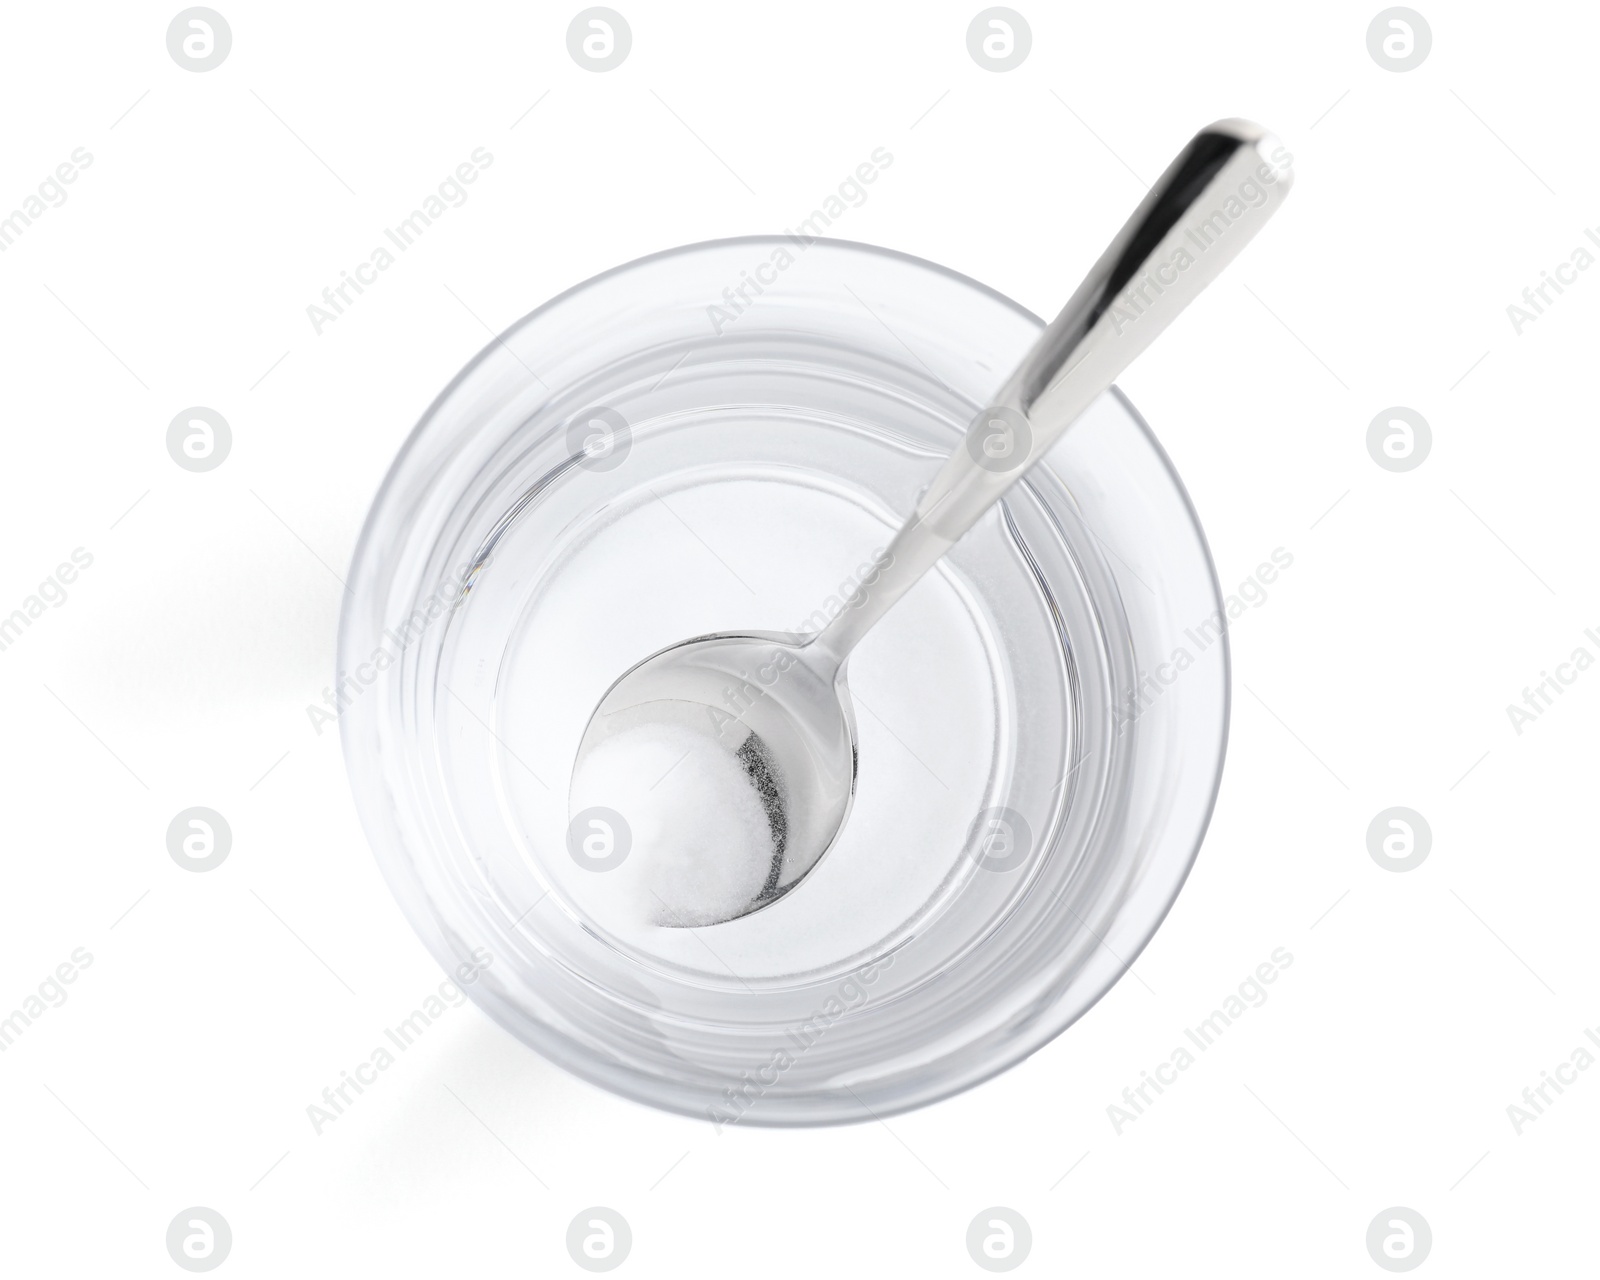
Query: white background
[{"x": 177, "y": 672}]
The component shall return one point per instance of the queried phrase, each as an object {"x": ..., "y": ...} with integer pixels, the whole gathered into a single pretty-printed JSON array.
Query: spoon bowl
[{"x": 780, "y": 707}]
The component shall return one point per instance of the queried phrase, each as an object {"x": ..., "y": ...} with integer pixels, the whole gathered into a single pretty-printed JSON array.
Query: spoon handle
[{"x": 1202, "y": 211}]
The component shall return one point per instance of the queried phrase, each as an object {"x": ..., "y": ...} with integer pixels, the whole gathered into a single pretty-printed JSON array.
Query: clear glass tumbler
[{"x": 715, "y": 438}]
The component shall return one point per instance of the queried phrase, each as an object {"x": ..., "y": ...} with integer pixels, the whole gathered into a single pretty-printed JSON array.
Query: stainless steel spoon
[{"x": 780, "y": 701}]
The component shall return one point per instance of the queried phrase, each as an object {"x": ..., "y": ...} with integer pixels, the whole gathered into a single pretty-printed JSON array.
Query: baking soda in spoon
[{"x": 698, "y": 813}]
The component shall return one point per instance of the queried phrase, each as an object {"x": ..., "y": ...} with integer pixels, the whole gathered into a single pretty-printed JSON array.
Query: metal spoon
[{"x": 780, "y": 701}]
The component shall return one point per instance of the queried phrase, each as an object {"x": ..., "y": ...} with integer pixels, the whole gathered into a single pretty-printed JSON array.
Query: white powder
[{"x": 701, "y": 842}]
